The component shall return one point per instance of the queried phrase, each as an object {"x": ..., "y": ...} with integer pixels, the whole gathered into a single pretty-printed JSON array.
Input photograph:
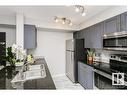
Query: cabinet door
[
  {"x": 78, "y": 35},
  {"x": 87, "y": 36},
  {"x": 96, "y": 37},
  {"x": 75, "y": 35},
  {"x": 82, "y": 75},
  {"x": 112, "y": 25},
  {"x": 123, "y": 26},
  {"x": 85, "y": 75},
  {"x": 92, "y": 36},
  {"x": 30, "y": 39}
]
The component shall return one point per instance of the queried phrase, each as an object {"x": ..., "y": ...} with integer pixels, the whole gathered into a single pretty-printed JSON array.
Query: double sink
[{"x": 32, "y": 72}]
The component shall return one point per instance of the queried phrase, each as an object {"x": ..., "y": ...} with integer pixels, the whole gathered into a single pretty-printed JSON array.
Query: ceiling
[{"x": 43, "y": 16}]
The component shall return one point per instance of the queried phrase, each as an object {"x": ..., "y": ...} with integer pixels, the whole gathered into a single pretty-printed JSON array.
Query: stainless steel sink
[
  {"x": 35, "y": 67},
  {"x": 33, "y": 72}
]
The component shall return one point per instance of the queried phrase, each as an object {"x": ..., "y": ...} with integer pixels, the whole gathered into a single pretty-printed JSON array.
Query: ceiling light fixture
[
  {"x": 79, "y": 8},
  {"x": 63, "y": 20}
]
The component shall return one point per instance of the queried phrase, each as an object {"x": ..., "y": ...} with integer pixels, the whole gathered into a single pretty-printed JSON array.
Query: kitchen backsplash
[{"x": 101, "y": 56}]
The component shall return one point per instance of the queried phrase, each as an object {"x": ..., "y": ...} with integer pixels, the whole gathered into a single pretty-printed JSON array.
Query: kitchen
[{"x": 48, "y": 43}]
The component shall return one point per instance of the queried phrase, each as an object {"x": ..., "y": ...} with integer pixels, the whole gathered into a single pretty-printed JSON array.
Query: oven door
[{"x": 104, "y": 81}]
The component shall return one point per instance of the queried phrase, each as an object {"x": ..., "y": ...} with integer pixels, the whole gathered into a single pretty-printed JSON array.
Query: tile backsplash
[{"x": 101, "y": 56}]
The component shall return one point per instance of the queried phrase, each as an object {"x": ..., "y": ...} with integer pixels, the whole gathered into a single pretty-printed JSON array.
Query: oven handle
[
  {"x": 103, "y": 74},
  {"x": 106, "y": 75}
]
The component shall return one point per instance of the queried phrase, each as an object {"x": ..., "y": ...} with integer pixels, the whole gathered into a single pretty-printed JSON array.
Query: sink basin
[
  {"x": 36, "y": 67},
  {"x": 34, "y": 74}
]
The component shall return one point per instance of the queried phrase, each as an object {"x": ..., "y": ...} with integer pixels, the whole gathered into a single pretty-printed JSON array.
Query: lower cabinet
[{"x": 85, "y": 75}]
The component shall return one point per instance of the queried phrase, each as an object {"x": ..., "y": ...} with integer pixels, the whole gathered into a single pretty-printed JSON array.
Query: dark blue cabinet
[
  {"x": 86, "y": 34},
  {"x": 123, "y": 22},
  {"x": 97, "y": 31},
  {"x": 85, "y": 75},
  {"x": 112, "y": 24},
  {"x": 93, "y": 38},
  {"x": 30, "y": 37},
  {"x": 75, "y": 35},
  {"x": 93, "y": 34}
]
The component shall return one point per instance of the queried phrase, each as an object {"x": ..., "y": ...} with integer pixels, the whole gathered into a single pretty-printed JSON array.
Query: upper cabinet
[
  {"x": 123, "y": 22},
  {"x": 75, "y": 35},
  {"x": 112, "y": 25},
  {"x": 78, "y": 35},
  {"x": 30, "y": 36},
  {"x": 93, "y": 34},
  {"x": 96, "y": 35},
  {"x": 87, "y": 37}
]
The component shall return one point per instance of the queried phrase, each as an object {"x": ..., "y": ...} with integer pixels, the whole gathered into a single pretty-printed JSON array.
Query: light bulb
[
  {"x": 115, "y": 34},
  {"x": 104, "y": 35},
  {"x": 63, "y": 22},
  {"x": 83, "y": 14},
  {"x": 70, "y": 24},
  {"x": 77, "y": 9},
  {"x": 56, "y": 20}
]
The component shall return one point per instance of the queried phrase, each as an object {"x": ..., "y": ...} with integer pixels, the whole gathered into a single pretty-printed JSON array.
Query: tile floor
[{"x": 63, "y": 83}]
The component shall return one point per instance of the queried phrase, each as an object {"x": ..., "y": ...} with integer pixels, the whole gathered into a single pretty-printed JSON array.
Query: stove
[{"x": 103, "y": 74}]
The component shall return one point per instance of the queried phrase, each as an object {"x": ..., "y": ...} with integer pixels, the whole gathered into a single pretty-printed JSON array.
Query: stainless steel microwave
[{"x": 116, "y": 40}]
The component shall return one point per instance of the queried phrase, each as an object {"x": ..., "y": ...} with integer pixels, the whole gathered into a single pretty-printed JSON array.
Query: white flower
[
  {"x": 19, "y": 51},
  {"x": 14, "y": 48}
]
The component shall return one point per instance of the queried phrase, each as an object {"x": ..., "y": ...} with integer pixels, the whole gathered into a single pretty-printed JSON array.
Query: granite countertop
[
  {"x": 8, "y": 73},
  {"x": 102, "y": 66},
  {"x": 42, "y": 83}
]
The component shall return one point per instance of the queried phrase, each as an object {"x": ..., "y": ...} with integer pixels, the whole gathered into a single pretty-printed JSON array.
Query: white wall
[
  {"x": 51, "y": 45},
  {"x": 108, "y": 13},
  {"x": 10, "y": 34},
  {"x": 7, "y": 19}
]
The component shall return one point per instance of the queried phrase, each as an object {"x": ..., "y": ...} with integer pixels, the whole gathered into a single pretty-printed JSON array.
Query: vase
[{"x": 90, "y": 60}]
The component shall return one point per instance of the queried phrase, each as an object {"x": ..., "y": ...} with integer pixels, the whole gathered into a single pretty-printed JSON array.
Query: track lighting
[
  {"x": 63, "y": 20},
  {"x": 81, "y": 9}
]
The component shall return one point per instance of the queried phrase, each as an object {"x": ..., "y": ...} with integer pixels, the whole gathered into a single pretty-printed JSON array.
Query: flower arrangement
[
  {"x": 20, "y": 54},
  {"x": 19, "y": 51},
  {"x": 14, "y": 54}
]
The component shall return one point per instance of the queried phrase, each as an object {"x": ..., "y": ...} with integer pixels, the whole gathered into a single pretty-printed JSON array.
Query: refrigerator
[
  {"x": 2, "y": 47},
  {"x": 74, "y": 52}
]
